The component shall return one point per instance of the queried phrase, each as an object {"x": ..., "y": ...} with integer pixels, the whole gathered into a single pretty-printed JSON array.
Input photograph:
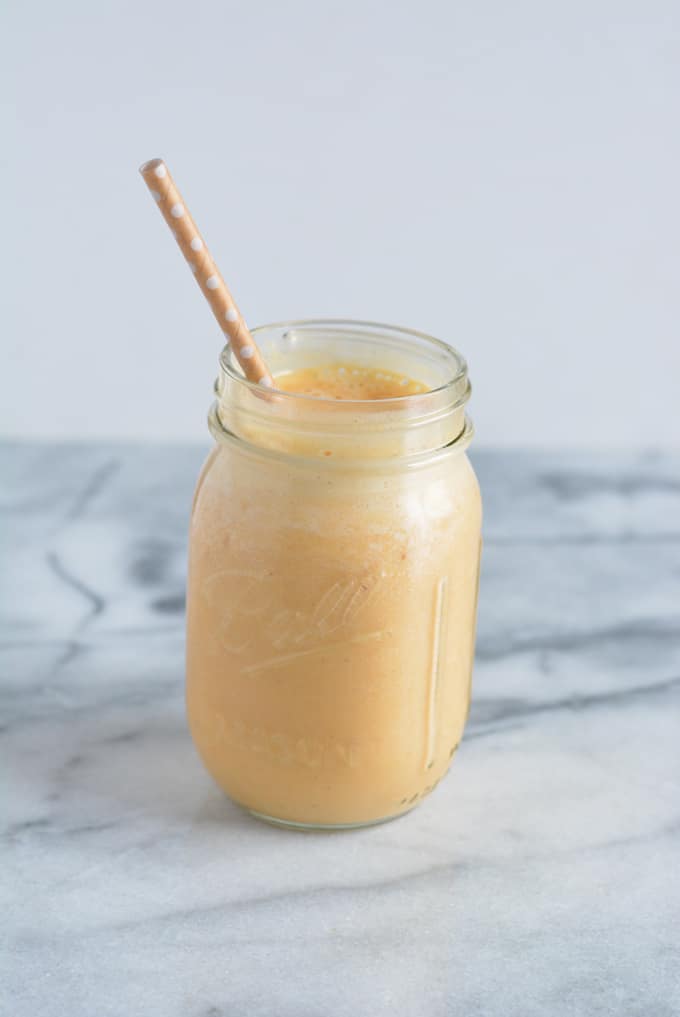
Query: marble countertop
[{"x": 541, "y": 878}]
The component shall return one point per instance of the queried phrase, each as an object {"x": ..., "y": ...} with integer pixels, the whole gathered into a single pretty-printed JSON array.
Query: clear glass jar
[{"x": 333, "y": 576}]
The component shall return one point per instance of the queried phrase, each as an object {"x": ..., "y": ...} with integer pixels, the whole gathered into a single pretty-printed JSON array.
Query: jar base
[{"x": 290, "y": 824}]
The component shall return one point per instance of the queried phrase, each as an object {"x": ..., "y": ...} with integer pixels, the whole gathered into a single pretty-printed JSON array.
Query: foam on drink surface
[{"x": 348, "y": 381}]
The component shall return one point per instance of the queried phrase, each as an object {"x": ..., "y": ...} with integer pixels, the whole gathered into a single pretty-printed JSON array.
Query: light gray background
[{"x": 503, "y": 175}]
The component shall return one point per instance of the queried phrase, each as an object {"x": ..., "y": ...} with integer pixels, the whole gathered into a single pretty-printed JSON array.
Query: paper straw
[{"x": 159, "y": 181}]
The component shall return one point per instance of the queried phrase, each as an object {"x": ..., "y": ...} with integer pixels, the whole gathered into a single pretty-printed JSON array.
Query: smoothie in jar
[{"x": 334, "y": 561}]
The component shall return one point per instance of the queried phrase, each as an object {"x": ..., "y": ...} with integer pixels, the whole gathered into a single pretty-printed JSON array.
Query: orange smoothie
[
  {"x": 332, "y": 598},
  {"x": 348, "y": 381}
]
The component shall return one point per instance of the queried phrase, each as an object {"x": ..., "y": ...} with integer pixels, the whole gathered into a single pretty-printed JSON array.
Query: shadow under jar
[{"x": 333, "y": 577}]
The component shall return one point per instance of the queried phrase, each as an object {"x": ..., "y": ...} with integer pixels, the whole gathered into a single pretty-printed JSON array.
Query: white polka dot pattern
[{"x": 178, "y": 218}]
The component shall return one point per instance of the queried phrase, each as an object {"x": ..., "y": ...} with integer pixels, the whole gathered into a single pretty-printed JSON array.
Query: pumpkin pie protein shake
[{"x": 334, "y": 563}]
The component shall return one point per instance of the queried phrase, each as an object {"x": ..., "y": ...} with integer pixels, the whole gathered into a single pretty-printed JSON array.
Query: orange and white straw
[{"x": 159, "y": 181}]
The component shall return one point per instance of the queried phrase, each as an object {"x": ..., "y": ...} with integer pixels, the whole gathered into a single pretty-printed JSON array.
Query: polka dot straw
[{"x": 162, "y": 186}]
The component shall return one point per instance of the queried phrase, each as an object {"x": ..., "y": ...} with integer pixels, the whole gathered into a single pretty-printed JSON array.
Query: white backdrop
[{"x": 503, "y": 175}]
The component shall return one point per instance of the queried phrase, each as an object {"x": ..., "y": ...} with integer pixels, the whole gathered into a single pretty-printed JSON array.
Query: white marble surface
[{"x": 540, "y": 878}]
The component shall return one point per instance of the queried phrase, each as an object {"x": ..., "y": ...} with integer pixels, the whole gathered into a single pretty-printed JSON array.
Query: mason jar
[{"x": 333, "y": 576}]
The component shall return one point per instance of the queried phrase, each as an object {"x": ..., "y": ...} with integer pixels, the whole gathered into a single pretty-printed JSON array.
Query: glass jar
[{"x": 333, "y": 577}]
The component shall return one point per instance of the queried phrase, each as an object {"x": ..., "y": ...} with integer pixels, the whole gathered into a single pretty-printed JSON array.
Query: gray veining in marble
[{"x": 541, "y": 878}]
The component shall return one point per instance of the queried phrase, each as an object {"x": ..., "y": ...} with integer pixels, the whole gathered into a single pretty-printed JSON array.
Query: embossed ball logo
[{"x": 249, "y": 606}]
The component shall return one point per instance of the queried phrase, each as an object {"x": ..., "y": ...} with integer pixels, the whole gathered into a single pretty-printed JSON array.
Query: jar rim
[
  {"x": 413, "y": 460},
  {"x": 229, "y": 364}
]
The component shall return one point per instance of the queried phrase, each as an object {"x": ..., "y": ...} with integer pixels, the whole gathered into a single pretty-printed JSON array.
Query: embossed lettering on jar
[{"x": 334, "y": 562}]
